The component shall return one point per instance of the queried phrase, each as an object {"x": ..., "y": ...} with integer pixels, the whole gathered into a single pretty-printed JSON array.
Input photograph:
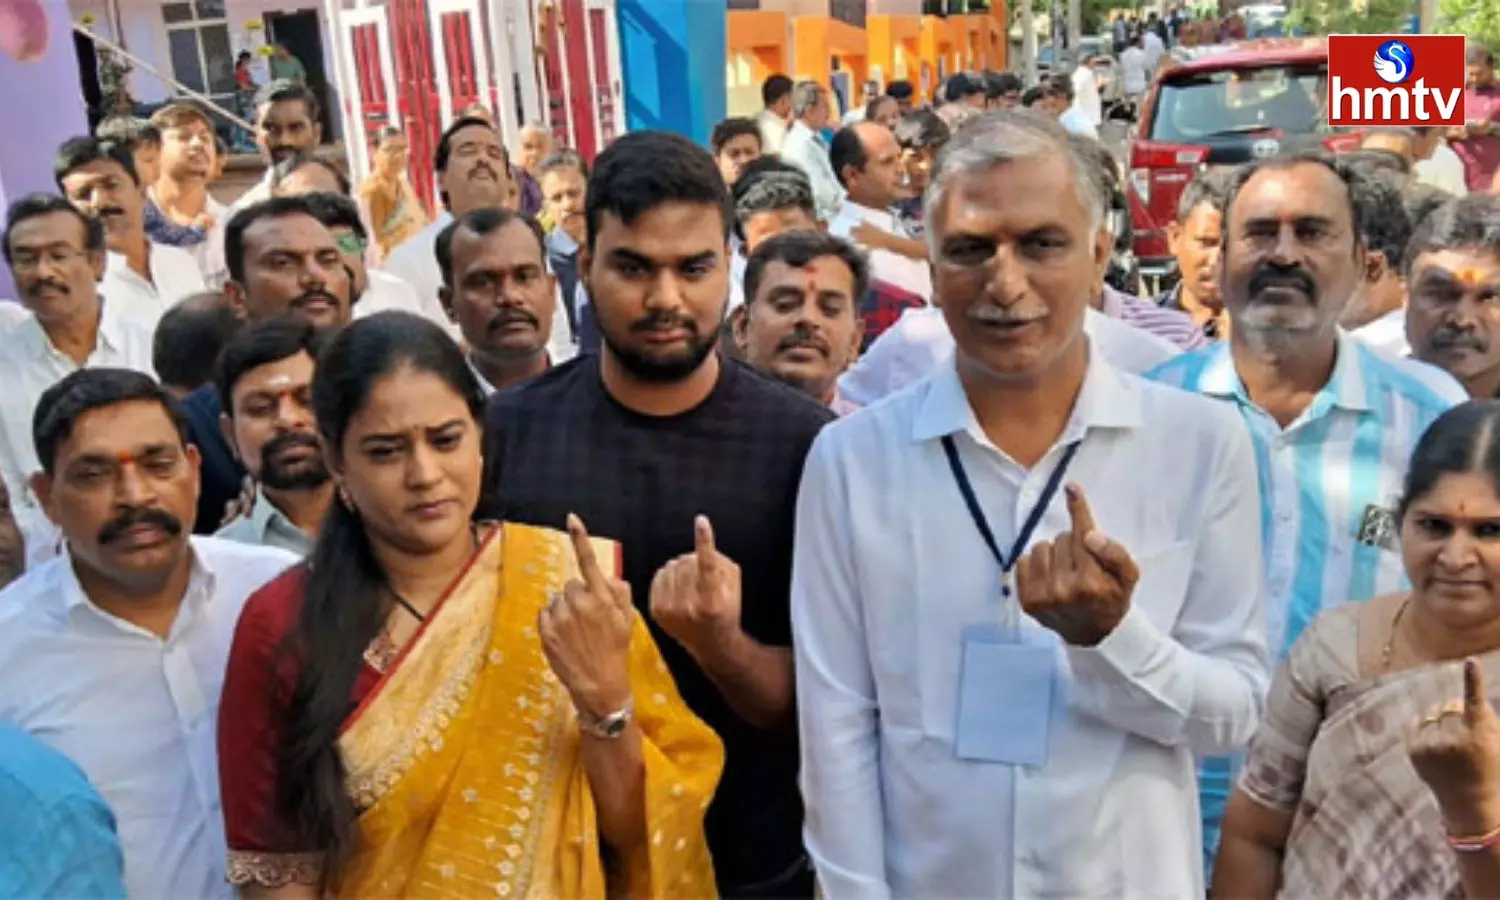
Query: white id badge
[{"x": 1005, "y": 693}]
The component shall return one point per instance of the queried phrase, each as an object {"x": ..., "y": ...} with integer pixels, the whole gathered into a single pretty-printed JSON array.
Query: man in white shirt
[
  {"x": 57, "y": 255},
  {"x": 145, "y": 278},
  {"x": 180, "y": 211},
  {"x": 1453, "y": 273},
  {"x": 1151, "y": 43},
  {"x": 1060, "y": 100},
  {"x": 776, "y": 97},
  {"x": 473, "y": 171},
  {"x": 286, "y": 124},
  {"x": 1002, "y": 691},
  {"x": 804, "y": 147},
  {"x": 1086, "y": 91},
  {"x": 497, "y": 289},
  {"x": 114, "y": 653},
  {"x": 867, "y": 161},
  {"x": 1436, "y": 163},
  {"x": 1135, "y": 71}
]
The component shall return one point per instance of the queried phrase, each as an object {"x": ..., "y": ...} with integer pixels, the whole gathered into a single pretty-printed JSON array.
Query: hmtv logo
[{"x": 1395, "y": 79}]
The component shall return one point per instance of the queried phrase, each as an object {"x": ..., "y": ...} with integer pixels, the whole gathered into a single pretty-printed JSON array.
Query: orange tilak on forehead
[
  {"x": 810, "y": 278},
  {"x": 1469, "y": 276},
  {"x": 125, "y": 457}
]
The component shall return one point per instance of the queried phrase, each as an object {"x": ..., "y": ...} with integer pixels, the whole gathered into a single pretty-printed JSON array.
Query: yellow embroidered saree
[{"x": 465, "y": 758}]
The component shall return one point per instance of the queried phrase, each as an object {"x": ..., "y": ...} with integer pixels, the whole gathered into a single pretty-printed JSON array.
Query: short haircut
[
  {"x": 797, "y": 249},
  {"x": 284, "y": 90},
  {"x": 64, "y": 403},
  {"x": 1386, "y": 228},
  {"x": 1033, "y": 95},
  {"x": 1058, "y": 86},
  {"x": 962, "y": 85},
  {"x": 643, "y": 170},
  {"x": 240, "y": 222},
  {"x": 1334, "y": 164},
  {"x": 1371, "y": 158},
  {"x": 872, "y": 108},
  {"x": 178, "y": 115},
  {"x": 284, "y": 169},
  {"x": 1208, "y": 186},
  {"x": 998, "y": 84},
  {"x": 481, "y": 222},
  {"x": 848, "y": 149},
  {"x": 130, "y": 131},
  {"x": 1478, "y": 56},
  {"x": 562, "y": 159},
  {"x": 1469, "y": 223},
  {"x": 32, "y": 206},
  {"x": 444, "y": 150},
  {"x": 1421, "y": 200},
  {"x": 731, "y": 128},
  {"x": 189, "y": 337},
  {"x": 805, "y": 95},
  {"x": 774, "y": 88},
  {"x": 75, "y": 153},
  {"x": 260, "y": 344},
  {"x": 900, "y": 89},
  {"x": 769, "y": 184},
  {"x": 337, "y": 211},
  {"x": 922, "y": 129}
]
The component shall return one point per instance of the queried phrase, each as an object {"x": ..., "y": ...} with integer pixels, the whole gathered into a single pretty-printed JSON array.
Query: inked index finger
[
  {"x": 1475, "y": 703},
  {"x": 588, "y": 563},
  {"x": 1078, "y": 511}
]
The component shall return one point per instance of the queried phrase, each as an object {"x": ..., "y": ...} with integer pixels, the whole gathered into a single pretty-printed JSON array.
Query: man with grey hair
[
  {"x": 806, "y": 149},
  {"x": 1008, "y": 653}
]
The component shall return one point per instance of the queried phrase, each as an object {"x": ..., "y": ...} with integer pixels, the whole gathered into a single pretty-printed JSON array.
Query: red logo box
[{"x": 1395, "y": 79}]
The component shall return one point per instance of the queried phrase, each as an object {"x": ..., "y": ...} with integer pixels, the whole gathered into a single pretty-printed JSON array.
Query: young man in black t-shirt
[{"x": 649, "y": 436}]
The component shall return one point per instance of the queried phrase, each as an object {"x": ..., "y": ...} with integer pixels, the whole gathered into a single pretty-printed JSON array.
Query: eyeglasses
[{"x": 29, "y": 261}]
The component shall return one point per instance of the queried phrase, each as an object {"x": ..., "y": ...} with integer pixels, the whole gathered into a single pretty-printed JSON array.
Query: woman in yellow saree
[
  {"x": 392, "y": 203},
  {"x": 426, "y": 709}
]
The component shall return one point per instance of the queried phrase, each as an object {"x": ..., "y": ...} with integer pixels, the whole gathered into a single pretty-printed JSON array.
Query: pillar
[
  {"x": 672, "y": 61},
  {"x": 40, "y": 98}
]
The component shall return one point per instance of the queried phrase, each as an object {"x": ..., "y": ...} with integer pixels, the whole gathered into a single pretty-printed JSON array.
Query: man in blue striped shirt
[{"x": 1332, "y": 422}]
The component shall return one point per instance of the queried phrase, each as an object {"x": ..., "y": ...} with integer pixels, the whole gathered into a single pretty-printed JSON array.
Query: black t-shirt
[{"x": 561, "y": 444}]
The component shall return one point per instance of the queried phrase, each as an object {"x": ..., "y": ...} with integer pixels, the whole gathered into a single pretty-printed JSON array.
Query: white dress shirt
[
  {"x": 805, "y": 150},
  {"x": 911, "y": 275},
  {"x": 209, "y": 254},
  {"x": 415, "y": 262},
  {"x": 1386, "y": 334},
  {"x": 1155, "y": 50},
  {"x": 385, "y": 292},
  {"x": 139, "y": 714},
  {"x": 1444, "y": 170},
  {"x": 1086, "y": 93},
  {"x": 772, "y": 131},
  {"x": 920, "y": 342},
  {"x": 889, "y": 570},
  {"x": 1135, "y": 72},
  {"x": 174, "y": 275},
  {"x": 31, "y": 365},
  {"x": 12, "y": 314}
]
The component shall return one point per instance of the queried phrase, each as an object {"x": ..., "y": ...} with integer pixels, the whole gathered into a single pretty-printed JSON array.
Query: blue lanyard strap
[{"x": 1023, "y": 537}]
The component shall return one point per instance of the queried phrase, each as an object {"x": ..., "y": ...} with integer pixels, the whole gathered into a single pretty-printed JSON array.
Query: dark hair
[
  {"x": 244, "y": 56},
  {"x": 189, "y": 337},
  {"x": 1461, "y": 440},
  {"x": 260, "y": 344},
  {"x": 643, "y": 170},
  {"x": 221, "y": 147},
  {"x": 64, "y": 403},
  {"x": 1386, "y": 227},
  {"x": 240, "y": 222},
  {"x": 344, "y": 600},
  {"x": 797, "y": 249},
  {"x": 731, "y": 128},
  {"x": 1208, "y": 186},
  {"x": 1032, "y": 95},
  {"x": 872, "y": 108},
  {"x": 444, "y": 149},
  {"x": 480, "y": 222},
  {"x": 900, "y": 89},
  {"x": 1369, "y": 158},
  {"x": 1470, "y": 222},
  {"x": 178, "y": 114},
  {"x": 769, "y": 184},
  {"x": 32, "y": 206},
  {"x": 129, "y": 131},
  {"x": 1478, "y": 56},
  {"x": 562, "y": 159},
  {"x": 75, "y": 153},
  {"x": 1334, "y": 164},
  {"x": 284, "y": 90},
  {"x": 773, "y": 89},
  {"x": 1420, "y": 201},
  {"x": 922, "y": 129},
  {"x": 284, "y": 170},
  {"x": 847, "y": 149},
  {"x": 1058, "y": 86},
  {"x": 998, "y": 84},
  {"x": 962, "y": 85},
  {"x": 336, "y": 211}
]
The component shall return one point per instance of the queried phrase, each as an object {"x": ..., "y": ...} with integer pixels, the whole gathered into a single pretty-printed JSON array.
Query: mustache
[
  {"x": 1451, "y": 337},
  {"x": 1270, "y": 275},
  {"x": 313, "y": 296},
  {"x": 36, "y": 287},
  {"x": 140, "y": 515},
  {"x": 288, "y": 440},
  {"x": 484, "y": 166},
  {"x": 110, "y": 212},
  {"x": 990, "y": 314},
  {"x": 664, "y": 322},
  {"x": 802, "y": 336},
  {"x": 509, "y": 316}
]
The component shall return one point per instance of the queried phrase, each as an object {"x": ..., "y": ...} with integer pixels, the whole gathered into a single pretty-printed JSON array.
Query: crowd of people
[{"x": 805, "y": 515}]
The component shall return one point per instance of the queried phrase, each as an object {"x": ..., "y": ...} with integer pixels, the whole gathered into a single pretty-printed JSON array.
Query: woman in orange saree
[
  {"x": 390, "y": 730},
  {"x": 388, "y": 196}
]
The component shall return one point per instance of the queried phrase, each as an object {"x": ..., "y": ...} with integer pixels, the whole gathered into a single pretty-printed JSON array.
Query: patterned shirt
[
  {"x": 1174, "y": 325},
  {"x": 1328, "y": 487},
  {"x": 561, "y": 443}
]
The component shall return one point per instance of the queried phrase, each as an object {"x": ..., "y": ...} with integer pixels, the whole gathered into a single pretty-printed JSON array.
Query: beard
[
  {"x": 667, "y": 366},
  {"x": 310, "y": 472}
]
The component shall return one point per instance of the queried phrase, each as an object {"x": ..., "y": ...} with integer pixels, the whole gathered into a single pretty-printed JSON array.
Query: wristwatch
[{"x": 610, "y": 727}]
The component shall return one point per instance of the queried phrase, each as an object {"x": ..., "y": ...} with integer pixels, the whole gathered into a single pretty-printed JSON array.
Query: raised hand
[
  {"x": 1078, "y": 584},
  {"x": 695, "y": 598},
  {"x": 585, "y": 632},
  {"x": 1455, "y": 749}
]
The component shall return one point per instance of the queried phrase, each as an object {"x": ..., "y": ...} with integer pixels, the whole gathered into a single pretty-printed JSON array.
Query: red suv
[{"x": 1222, "y": 108}]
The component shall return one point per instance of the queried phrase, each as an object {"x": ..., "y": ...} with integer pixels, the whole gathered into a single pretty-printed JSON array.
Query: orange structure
[
  {"x": 817, "y": 42},
  {"x": 895, "y": 44},
  {"x": 759, "y": 38},
  {"x": 942, "y": 53},
  {"x": 984, "y": 41}
]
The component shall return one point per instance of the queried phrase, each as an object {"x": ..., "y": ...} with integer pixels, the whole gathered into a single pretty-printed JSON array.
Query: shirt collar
[
  {"x": 40, "y": 345},
  {"x": 1346, "y": 387},
  {"x": 1106, "y": 400},
  {"x": 484, "y": 383},
  {"x": 560, "y": 242},
  {"x": 264, "y": 515},
  {"x": 200, "y": 589},
  {"x": 883, "y": 217}
]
